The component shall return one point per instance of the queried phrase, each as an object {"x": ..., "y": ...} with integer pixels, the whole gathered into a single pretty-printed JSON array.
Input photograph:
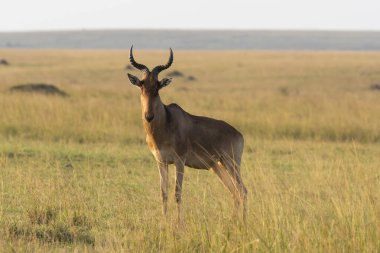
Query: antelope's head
[{"x": 149, "y": 85}]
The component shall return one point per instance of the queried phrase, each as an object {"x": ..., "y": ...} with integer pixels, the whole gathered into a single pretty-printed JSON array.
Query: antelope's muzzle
[{"x": 149, "y": 117}]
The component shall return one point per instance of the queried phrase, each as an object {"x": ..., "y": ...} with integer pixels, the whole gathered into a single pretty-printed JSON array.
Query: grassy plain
[{"x": 76, "y": 175}]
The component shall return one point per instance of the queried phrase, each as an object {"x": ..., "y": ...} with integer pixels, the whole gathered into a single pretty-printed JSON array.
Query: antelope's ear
[
  {"x": 134, "y": 80},
  {"x": 164, "y": 82}
]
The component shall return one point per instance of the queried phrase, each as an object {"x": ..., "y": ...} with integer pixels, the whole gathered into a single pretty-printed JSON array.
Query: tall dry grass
[{"x": 75, "y": 173}]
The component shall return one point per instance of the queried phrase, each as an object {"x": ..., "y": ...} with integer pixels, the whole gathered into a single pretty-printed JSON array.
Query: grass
[{"x": 76, "y": 175}]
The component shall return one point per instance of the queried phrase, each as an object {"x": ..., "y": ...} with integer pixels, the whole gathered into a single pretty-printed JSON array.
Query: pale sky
[{"x": 32, "y": 15}]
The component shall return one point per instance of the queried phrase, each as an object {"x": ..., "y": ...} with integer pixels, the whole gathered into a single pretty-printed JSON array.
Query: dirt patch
[
  {"x": 375, "y": 86},
  {"x": 4, "y": 62},
  {"x": 129, "y": 67},
  {"x": 284, "y": 91},
  {"x": 175, "y": 73},
  {"x": 42, "y": 88},
  {"x": 191, "y": 78}
]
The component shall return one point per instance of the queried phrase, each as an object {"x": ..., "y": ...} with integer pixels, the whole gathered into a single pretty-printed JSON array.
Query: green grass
[{"x": 76, "y": 175}]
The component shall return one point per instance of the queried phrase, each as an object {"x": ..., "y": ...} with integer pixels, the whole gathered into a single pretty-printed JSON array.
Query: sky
[{"x": 41, "y": 15}]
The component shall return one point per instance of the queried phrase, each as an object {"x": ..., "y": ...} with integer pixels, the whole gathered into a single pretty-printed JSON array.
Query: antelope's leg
[
  {"x": 228, "y": 181},
  {"x": 233, "y": 168},
  {"x": 178, "y": 187},
  {"x": 163, "y": 168}
]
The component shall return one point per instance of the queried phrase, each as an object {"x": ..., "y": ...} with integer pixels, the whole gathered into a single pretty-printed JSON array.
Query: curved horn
[
  {"x": 160, "y": 68},
  {"x": 135, "y": 64}
]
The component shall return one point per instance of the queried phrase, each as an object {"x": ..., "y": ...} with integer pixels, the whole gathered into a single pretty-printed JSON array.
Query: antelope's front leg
[
  {"x": 163, "y": 168},
  {"x": 178, "y": 187}
]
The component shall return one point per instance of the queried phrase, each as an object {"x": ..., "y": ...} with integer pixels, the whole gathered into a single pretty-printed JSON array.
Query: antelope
[{"x": 177, "y": 137}]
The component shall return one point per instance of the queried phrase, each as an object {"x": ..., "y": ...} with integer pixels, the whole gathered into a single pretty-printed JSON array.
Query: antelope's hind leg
[
  {"x": 228, "y": 181},
  {"x": 233, "y": 168},
  {"x": 229, "y": 174}
]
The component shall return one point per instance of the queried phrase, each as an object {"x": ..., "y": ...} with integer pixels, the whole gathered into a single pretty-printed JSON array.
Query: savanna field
[{"x": 76, "y": 174}]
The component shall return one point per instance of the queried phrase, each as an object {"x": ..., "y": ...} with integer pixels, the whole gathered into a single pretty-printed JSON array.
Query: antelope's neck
[{"x": 156, "y": 129}]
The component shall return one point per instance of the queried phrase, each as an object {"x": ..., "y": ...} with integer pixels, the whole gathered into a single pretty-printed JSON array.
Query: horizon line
[{"x": 192, "y": 29}]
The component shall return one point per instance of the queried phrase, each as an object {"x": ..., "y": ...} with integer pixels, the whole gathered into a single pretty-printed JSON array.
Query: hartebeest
[{"x": 177, "y": 137}]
